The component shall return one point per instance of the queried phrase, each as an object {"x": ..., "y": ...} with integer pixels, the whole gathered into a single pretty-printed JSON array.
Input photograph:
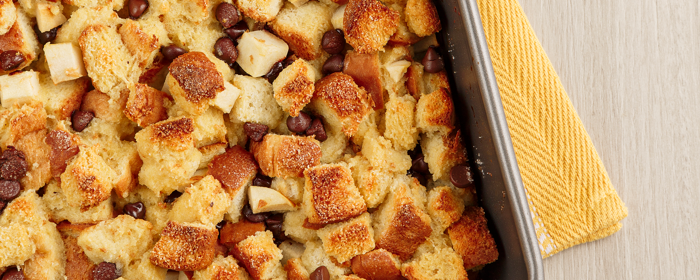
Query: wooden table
[{"x": 632, "y": 70}]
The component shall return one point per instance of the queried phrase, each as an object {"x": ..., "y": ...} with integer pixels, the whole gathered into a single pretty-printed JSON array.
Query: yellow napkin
[{"x": 569, "y": 192}]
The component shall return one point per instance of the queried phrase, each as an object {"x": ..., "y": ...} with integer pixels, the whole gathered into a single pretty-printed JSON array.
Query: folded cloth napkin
[{"x": 569, "y": 192}]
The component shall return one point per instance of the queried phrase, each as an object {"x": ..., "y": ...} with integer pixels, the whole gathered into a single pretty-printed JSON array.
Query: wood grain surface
[{"x": 632, "y": 70}]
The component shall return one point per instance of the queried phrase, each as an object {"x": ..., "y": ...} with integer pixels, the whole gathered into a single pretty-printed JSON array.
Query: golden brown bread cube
[
  {"x": 442, "y": 152},
  {"x": 16, "y": 245},
  {"x": 365, "y": 70},
  {"x": 88, "y": 180},
  {"x": 222, "y": 268},
  {"x": 303, "y": 26},
  {"x": 260, "y": 256},
  {"x": 415, "y": 84},
  {"x": 100, "y": 104},
  {"x": 62, "y": 99},
  {"x": 194, "y": 81},
  {"x": 444, "y": 206},
  {"x": 209, "y": 128},
  {"x": 345, "y": 240},
  {"x": 27, "y": 209},
  {"x": 472, "y": 239},
  {"x": 377, "y": 264},
  {"x": 380, "y": 154},
  {"x": 142, "y": 45},
  {"x": 435, "y": 112},
  {"x": 286, "y": 155},
  {"x": 185, "y": 246},
  {"x": 330, "y": 194},
  {"x": 78, "y": 265},
  {"x": 209, "y": 152},
  {"x": 20, "y": 37},
  {"x": 232, "y": 233},
  {"x": 256, "y": 103},
  {"x": 20, "y": 120},
  {"x": 444, "y": 264},
  {"x": 50, "y": 260},
  {"x": 37, "y": 154},
  {"x": 145, "y": 105},
  {"x": 119, "y": 240},
  {"x": 368, "y": 25},
  {"x": 107, "y": 60},
  {"x": 372, "y": 181},
  {"x": 341, "y": 102},
  {"x": 294, "y": 228},
  {"x": 422, "y": 17},
  {"x": 235, "y": 169},
  {"x": 204, "y": 202},
  {"x": 436, "y": 81},
  {"x": 260, "y": 10},
  {"x": 60, "y": 210},
  {"x": 294, "y": 87},
  {"x": 296, "y": 270},
  {"x": 399, "y": 122},
  {"x": 8, "y": 15},
  {"x": 402, "y": 36}
]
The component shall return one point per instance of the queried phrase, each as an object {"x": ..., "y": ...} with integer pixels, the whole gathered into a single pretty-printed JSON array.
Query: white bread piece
[
  {"x": 194, "y": 11},
  {"x": 399, "y": 122},
  {"x": 345, "y": 240},
  {"x": 286, "y": 155},
  {"x": 373, "y": 182},
  {"x": 260, "y": 10},
  {"x": 381, "y": 155},
  {"x": 8, "y": 15},
  {"x": 20, "y": 121},
  {"x": 65, "y": 62},
  {"x": 143, "y": 39},
  {"x": 397, "y": 69},
  {"x": 292, "y": 188},
  {"x": 444, "y": 207},
  {"x": 435, "y": 112},
  {"x": 259, "y": 50},
  {"x": 264, "y": 199},
  {"x": 259, "y": 254},
  {"x": 143, "y": 269},
  {"x": 303, "y": 27},
  {"x": 106, "y": 58},
  {"x": 442, "y": 152},
  {"x": 225, "y": 100},
  {"x": 209, "y": 128},
  {"x": 337, "y": 18},
  {"x": 256, "y": 103},
  {"x": 84, "y": 17},
  {"x": 60, "y": 210},
  {"x": 15, "y": 244},
  {"x": 119, "y": 240},
  {"x": 49, "y": 15},
  {"x": 88, "y": 180},
  {"x": 443, "y": 264},
  {"x": 222, "y": 268},
  {"x": 20, "y": 37},
  {"x": 294, "y": 227},
  {"x": 209, "y": 152},
  {"x": 20, "y": 88},
  {"x": 314, "y": 256},
  {"x": 62, "y": 99},
  {"x": 204, "y": 202},
  {"x": 110, "y": 4}
]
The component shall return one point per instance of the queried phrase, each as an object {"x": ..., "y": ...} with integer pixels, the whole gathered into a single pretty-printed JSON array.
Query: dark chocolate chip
[
  {"x": 105, "y": 271},
  {"x": 419, "y": 176},
  {"x": 225, "y": 50},
  {"x": 10, "y": 152},
  {"x": 321, "y": 273},
  {"x": 316, "y": 128},
  {"x": 81, "y": 119},
  {"x": 137, "y": 7},
  {"x": 277, "y": 233},
  {"x": 13, "y": 274},
  {"x": 275, "y": 219},
  {"x": 48, "y": 36},
  {"x": 220, "y": 225},
  {"x": 275, "y": 71},
  {"x": 333, "y": 41},
  {"x": 415, "y": 153},
  {"x": 461, "y": 176},
  {"x": 227, "y": 14},
  {"x": 2, "y": 205},
  {"x": 136, "y": 210},
  {"x": 172, "y": 52},
  {"x": 10, "y": 60},
  {"x": 262, "y": 181},
  {"x": 289, "y": 60},
  {"x": 9, "y": 190},
  {"x": 14, "y": 168},
  {"x": 236, "y": 30},
  {"x": 333, "y": 64},
  {"x": 432, "y": 62},
  {"x": 253, "y": 218},
  {"x": 172, "y": 196},
  {"x": 419, "y": 165},
  {"x": 300, "y": 123},
  {"x": 255, "y": 131}
]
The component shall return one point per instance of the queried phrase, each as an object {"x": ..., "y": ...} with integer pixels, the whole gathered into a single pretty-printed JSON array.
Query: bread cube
[
  {"x": 235, "y": 169},
  {"x": 286, "y": 156},
  {"x": 121, "y": 156},
  {"x": 303, "y": 26},
  {"x": 194, "y": 81},
  {"x": 415, "y": 84},
  {"x": 50, "y": 260},
  {"x": 256, "y": 103},
  {"x": 291, "y": 250},
  {"x": 140, "y": 43},
  {"x": 314, "y": 256},
  {"x": 106, "y": 58},
  {"x": 145, "y": 105},
  {"x": 436, "y": 81},
  {"x": 209, "y": 152},
  {"x": 260, "y": 256},
  {"x": 422, "y": 17},
  {"x": 49, "y": 15},
  {"x": 259, "y": 50},
  {"x": 88, "y": 180},
  {"x": 60, "y": 210},
  {"x": 435, "y": 112},
  {"x": 400, "y": 223},
  {"x": 444, "y": 264},
  {"x": 19, "y": 88},
  {"x": 296, "y": 270},
  {"x": 380, "y": 154},
  {"x": 28, "y": 210},
  {"x": 225, "y": 100},
  {"x": 8, "y": 15},
  {"x": 60, "y": 100},
  {"x": 263, "y": 199},
  {"x": 443, "y": 152},
  {"x": 222, "y": 268},
  {"x": 78, "y": 265},
  {"x": 294, "y": 87},
  {"x": 472, "y": 239},
  {"x": 345, "y": 240},
  {"x": 19, "y": 121},
  {"x": 185, "y": 246},
  {"x": 260, "y": 10},
  {"x": 119, "y": 240},
  {"x": 20, "y": 37},
  {"x": 37, "y": 154},
  {"x": 16, "y": 245},
  {"x": 168, "y": 153},
  {"x": 341, "y": 102},
  {"x": 294, "y": 227},
  {"x": 101, "y": 104},
  {"x": 332, "y": 149},
  {"x": 365, "y": 70},
  {"x": 204, "y": 202},
  {"x": 444, "y": 206},
  {"x": 111, "y": 4},
  {"x": 368, "y": 25},
  {"x": 337, "y": 18},
  {"x": 292, "y": 188},
  {"x": 372, "y": 181},
  {"x": 330, "y": 194},
  {"x": 402, "y": 36},
  {"x": 232, "y": 233},
  {"x": 143, "y": 269},
  {"x": 399, "y": 122},
  {"x": 378, "y": 264}
]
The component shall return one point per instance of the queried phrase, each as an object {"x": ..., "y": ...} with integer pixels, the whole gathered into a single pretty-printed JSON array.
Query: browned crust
[
  {"x": 350, "y": 239},
  {"x": 178, "y": 132},
  {"x": 234, "y": 168},
  {"x": 472, "y": 240},
  {"x": 297, "y": 92},
  {"x": 364, "y": 69},
  {"x": 406, "y": 232},
  {"x": 71, "y": 230},
  {"x": 455, "y": 153},
  {"x": 446, "y": 204},
  {"x": 14, "y": 40},
  {"x": 348, "y": 101},
  {"x": 255, "y": 253},
  {"x": 422, "y": 17},
  {"x": 91, "y": 191},
  {"x": 185, "y": 247},
  {"x": 368, "y": 25},
  {"x": 37, "y": 153},
  {"x": 377, "y": 264},
  {"x": 332, "y": 199},
  {"x": 197, "y": 76},
  {"x": 73, "y": 102},
  {"x": 139, "y": 44},
  {"x": 296, "y": 270},
  {"x": 78, "y": 265},
  {"x": 25, "y": 119},
  {"x": 439, "y": 109},
  {"x": 414, "y": 81},
  {"x": 299, "y": 43},
  {"x": 145, "y": 105},
  {"x": 231, "y": 234},
  {"x": 285, "y": 156}
]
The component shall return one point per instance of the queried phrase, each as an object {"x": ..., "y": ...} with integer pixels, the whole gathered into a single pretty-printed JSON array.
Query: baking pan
[{"x": 483, "y": 122}]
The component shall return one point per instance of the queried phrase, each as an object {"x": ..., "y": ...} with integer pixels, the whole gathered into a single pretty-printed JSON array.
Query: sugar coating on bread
[
  {"x": 235, "y": 169},
  {"x": 145, "y": 105},
  {"x": 472, "y": 239},
  {"x": 194, "y": 81},
  {"x": 20, "y": 37},
  {"x": 435, "y": 112},
  {"x": 368, "y": 25},
  {"x": 303, "y": 26},
  {"x": 285, "y": 155},
  {"x": 222, "y": 268},
  {"x": 107, "y": 60},
  {"x": 260, "y": 10},
  {"x": 60, "y": 210},
  {"x": 442, "y": 152},
  {"x": 444, "y": 206},
  {"x": 20, "y": 120},
  {"x": 296, "y": 270},
  {"x": 204, "y": 202},
  {"x": 341, "y": 102},
  {"x": 256, "y": 103},
  {"x": 399, "y": 122},
  {"x": 422, "y": 17},
  {"x": 185, "y": 246},
  {"x": 87, "y": 181},
  {"x": 260, "y": 256},
  {"x": 294, "y": 86},
  {"x": 444, "y": 264},
  {"x": 330, "y": 194},
  {"x": 118, "y": 240},
  {"x": 345, "y": 240}
]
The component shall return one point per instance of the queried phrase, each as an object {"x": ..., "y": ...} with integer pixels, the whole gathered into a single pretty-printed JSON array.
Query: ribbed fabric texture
[{"x": 570, "y": 194}]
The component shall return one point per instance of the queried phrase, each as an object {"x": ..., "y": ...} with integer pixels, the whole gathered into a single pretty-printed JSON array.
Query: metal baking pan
[{"x": 483, "y": 122}]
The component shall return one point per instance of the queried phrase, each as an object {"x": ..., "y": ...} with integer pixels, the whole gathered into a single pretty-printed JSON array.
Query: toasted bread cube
[
  {"x": 399, "y": 122},
  {"x": 119, "y": 240},
  {"x": 50, "y": 262},
  {"x": 222, "y": 268},
  {"x": 303, "y": 26},
  {"x": 65, "y": 62},
  {"x": 422, "y": 17},
  {"x": 296, "y": 270},
  {"x": 49, "y": 15},
  {"x": 443, "y": 152},
  {"x": 337, "y": 18},
  {"x": 15, "y": 245},
  {"x": 286, "y": 156},
  {"x": 209, "y": 152},
  {"x": 235, "y": 169},
  {"x": 330, "y": 194},
  {"x": 263, "y": 199},
  {"x": 8, "y": 15},
  {"x": 226, "y": 98},
  {"x": 232, "y": 233},
  {"x": 400, "y": 223},
  {"x": 142, "y": 45},
  {"x": 294, "y": 87},
  {"x": 143, "y": 269},
  {"x": 368, "y": 25},
  {"x": 121, "y": 156},
  {"x": 20, "y": 88},
  {"x": 472, "y": 239},
  {"x": 37, "y": 154},
  {"x": 294, "y": 227},
  {"x": 258, "y": 51},
  {"x": 365, "y": 70},
  {"x": 372, "y": 181},
  {"x": 380, "y": 154},
  {"x": 415, "y": 84},
  {"x": 168, "y": 153},
  {"x": 260, "y": 10},
  {"x": 62, "y": 99},
  {"x": 314, "y": 256},
  {"x": 444, "y": 264},
  {"x": 20, "y": 37},
  {"x": 101, "y": 105},
  {"x": 145, "y": 105},
  {"x": 345, "y": 240},
  {"x": 292, "y": 188},
  {"x": 260, "y": 256},
  {"x": 377, "y": 264},
  {"x": 111, "y": 4},
  {"x": 402, "y": 36},
  {"x": 60, "y": 210},
  {"x": 78, "y": 265},
  {"x": 435, "y": 112},
  {"x": 20, "y": 121},
  {"x": 106, "y": 58},
  {"x": 444, "y": 206},
  {"x": 256, "y": 103},
  {"x": 88, "y": 180},
  {"x": 204, "y": 202},
  {"x": 209, "y": 128},
  {"x": 341, "y": 102},
  {"x": 27, "y": 209},
  {"x": 185, "y": 246},
  {"x": 436, "y": 81},
  {"x": 194, "y": 81}
]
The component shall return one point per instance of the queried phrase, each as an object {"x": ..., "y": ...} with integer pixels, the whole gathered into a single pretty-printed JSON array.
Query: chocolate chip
[
  {"x": 419, "y": 165},
  {"x": 316, "y": 128},
  {"x": 10, "y": 60},
  {"x": 275, "y": 71},
  {"x": 10, "y": 152},
  {"x": 172, "y": 52},
  {"x": 333, "y": 41},
  {"x": 13, "y": 274},
  {"x": 333, "y": 64},
  {"x": 136, "y": 210},
  {"x": 137, "y": 7},
  {"x": 277, "y": 233},
  {"x": 461, "y": 176},
  {"x": 289, "y": 60},
  {"x": 48, "y": 36},
  {"x": 253, "y": 218},
  {"x": 227, "y": 14},
  {"x": 105, "y": 271},
  {"x": 321, "y": 273},
  {"x": 225, "y": 50},
  {"x": 432, "y": 62},
  {"x": 419, "y": 176},
  {"x": 262, "y": 181},
  {"x": 275, "y": 219},
  {"x": 9, "y": 190},
  {"x": 172, "y": 196},
  {"x": 236, "y": 30},
  {"x": 255, "y": 131},
  {"x": 2, "y": 205},
  {"x": 81, "y": 119},
  {"x": 300, "y": 123},
  {"x": 14, "y": 168},
  {"x": 220, "y": 225}
]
